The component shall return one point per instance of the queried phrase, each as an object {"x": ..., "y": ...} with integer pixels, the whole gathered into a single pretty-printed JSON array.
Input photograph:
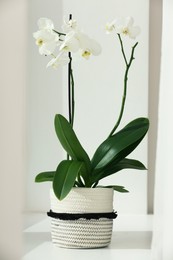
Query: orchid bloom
[
  {"x": 61, "y": 60},
  {"x": 71, "y": 40},
  {"x": 78, "y": 41},
  {"x": 124, "y": 26},
  {"x": 110, "y": 27},
  {"x": 70, "y": 43},
  {"x": 88, "y": 46},
  {"x": 46, "y": 39},
  {"x": 45, "y": 24},
  {"x": 75, "y": 40},
  {"x": 69, "y": 25}
]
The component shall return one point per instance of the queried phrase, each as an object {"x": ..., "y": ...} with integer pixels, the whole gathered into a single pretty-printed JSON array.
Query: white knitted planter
[{"x": 83, "y": 232}]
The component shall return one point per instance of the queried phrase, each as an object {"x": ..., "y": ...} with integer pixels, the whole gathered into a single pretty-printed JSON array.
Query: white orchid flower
[
  {"x": 78, "y": 41},
  {"x": 110, "y": 26},
  {"x": 45, "y": 24},
  {"x": 46, "y": 40},
  {"x": 74, "y": 40},
  {"x": 69, "y": 25},
  {"x": 88, "y": 46},
  {"x": 61, "y": 60},
  {"x": 71, "y": 42},
  {"x": 125, "y": 27}
]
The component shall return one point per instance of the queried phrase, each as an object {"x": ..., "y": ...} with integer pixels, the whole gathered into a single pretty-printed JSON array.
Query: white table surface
[{"x": 131, "y": 240}]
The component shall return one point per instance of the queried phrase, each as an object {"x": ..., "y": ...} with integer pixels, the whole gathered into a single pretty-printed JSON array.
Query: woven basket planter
[{"x": 84, "y": 219}]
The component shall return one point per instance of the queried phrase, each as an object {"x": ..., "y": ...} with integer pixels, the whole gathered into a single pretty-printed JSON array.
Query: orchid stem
[
  {"x": 128, "y": 64},
  {"x": 70, "y": 86},
  {"x": 59, "y": 33},
  {"x": 122, "y": 49},
  {"x": 70, "y": 90},
  {"x": 72, "y": 97},
  {"x": 71, "y": 83}
]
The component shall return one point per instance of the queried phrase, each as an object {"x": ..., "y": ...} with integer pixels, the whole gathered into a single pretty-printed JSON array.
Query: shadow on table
[{"x": 131, "y": 240}]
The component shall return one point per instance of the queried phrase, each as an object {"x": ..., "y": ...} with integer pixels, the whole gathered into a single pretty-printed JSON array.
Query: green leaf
[
  {"x": 114, "y": 167},
  {"x": 45, "y": 176},
  {"x": 70, "y": 142},
  {"x": 65, "y": 177},
  {"x": 118, "y": 146},
  {"x": 117, "y": 188}
]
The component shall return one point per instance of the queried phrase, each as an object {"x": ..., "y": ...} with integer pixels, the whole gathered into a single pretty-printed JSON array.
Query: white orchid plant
[{"x": 78, "y": 170}]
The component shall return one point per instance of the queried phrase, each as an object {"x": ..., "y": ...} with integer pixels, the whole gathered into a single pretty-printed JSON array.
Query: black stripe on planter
[{"x": 72, "y": 216}]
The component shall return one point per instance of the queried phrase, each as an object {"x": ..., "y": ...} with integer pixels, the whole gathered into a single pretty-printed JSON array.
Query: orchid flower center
[
  {"x": 39, "y": 42},
  {"x": 86, "y": 54},
  {"x": 125, "y": 31}
]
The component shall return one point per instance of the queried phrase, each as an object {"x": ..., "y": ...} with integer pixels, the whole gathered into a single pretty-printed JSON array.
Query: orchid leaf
[
  {"x": 45, "y": 176},
  {"x": 117, "y": 188},
  {"x": 118, "y": 146},
  {"x": 114, "y": 167},
  {"x": 65, "y": 177},
  {"x": 70, "y": 142}
]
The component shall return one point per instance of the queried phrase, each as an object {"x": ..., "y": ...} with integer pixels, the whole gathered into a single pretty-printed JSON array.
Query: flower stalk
[
  {"x": 128, "y": 64},
  {"x": 71, "y": 101},
  {"x": 59, "y": 33},
  {"x": 69, "y": 90}
]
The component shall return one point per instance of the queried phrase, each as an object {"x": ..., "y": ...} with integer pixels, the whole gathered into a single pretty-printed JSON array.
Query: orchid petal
[
  {"x": 69, "y": 25},
  {"x": 95, "y": 47},
  {"x": 44, "y": 23},
  {"x": 48, "y": 48},
  {"x": 70, "y": 43},
  {"x": 129, "y": 21},
  {"x": 61, "y": 59},
  {"x": 125, "y": 27},
  {"x": 110, "y": 26},
  {"x": 47, "y": 41},
  {"x": 134, "y": 31}
]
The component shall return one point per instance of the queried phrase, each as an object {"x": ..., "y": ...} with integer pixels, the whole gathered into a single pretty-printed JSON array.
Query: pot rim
[{"x": 90, "y": 188}]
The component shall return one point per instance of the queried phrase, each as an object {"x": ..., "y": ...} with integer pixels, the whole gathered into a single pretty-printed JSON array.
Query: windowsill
[{"x": 131, "y": 240}]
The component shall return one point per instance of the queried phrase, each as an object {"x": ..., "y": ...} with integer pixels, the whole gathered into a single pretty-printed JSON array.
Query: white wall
[
  {"x": 163, "y": 206},
  {"x": 44, "y": 100},
  {"x": 98, "y": 84},
  {"x": 12, "y": 131},
  {"x": 155, "y": 33}
]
